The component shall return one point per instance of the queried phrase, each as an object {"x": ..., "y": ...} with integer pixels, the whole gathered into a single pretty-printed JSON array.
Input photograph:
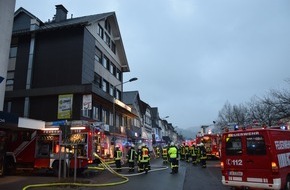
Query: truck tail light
[
  {"x": 274, "y": 167},
  {"x": 222, "y": 165}
]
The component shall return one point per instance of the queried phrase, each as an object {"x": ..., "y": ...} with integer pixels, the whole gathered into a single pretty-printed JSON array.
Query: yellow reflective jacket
[{"x": 172, "y": 152}]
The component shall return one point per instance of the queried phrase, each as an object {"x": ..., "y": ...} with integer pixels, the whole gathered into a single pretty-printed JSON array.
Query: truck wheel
[{"x": 287, "y": 184}]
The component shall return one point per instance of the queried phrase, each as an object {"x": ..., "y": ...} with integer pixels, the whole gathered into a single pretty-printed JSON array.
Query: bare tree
[
  {"x": 261, "y": 112},
  {"x": 231, "y": 114}
]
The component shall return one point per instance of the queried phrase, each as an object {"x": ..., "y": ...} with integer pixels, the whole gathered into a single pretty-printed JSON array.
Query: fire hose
[{"x": 104, "y": 166}]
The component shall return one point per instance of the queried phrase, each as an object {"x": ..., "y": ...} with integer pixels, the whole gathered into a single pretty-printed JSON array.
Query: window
[
  {"x": 112, "y": 68},
  {"x": 105, "y": 116},
  {"x": 11, "y": 69},
  {"x": 96, "y": 113},
  {"x": 118, "y": 94},
  {"x": 97, "y": 80},
  {"x": 256, "y": 145},
  {"x": 233, "y": 145},
  {"x": 105, "y": 86},
  {"x": 100, "y": 31},
  {"x": 98, "y": 55},
  {"x": 86, "y": 113},
  {"x": 111, "y": 90},
  {"x": 9, "y": 81},
  {"x": 106, "y": 62},
  {"x": 111, "y": 119},
  {"x": 44, "y": 148},
  {"x": 118, "y": 74},
  {"x": 13, "y": 52}
]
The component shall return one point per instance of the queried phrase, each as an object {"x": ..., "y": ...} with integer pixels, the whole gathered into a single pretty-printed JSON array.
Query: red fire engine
[
  {"x": 75, "y": 149},
  {"x": 212, "y": 144},
  {"x": 256, "y": 158},
  {"x": 17, "y": 149},
  {"x": 49, "y": 147}
]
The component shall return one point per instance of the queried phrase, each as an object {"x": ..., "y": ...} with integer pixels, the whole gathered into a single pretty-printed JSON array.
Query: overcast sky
[{"x": 192, "y": 56}]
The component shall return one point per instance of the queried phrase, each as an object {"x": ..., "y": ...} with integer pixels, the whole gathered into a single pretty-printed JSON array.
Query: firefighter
[
  {"x": 173, "y": 158},
  {"x": 131, "y": 157},
  {"x": 187, "y": 153},
  {"x": 203, "y": 155},
  {"x": 197, "y": 152},
  {"x": 143, "y": 159},
  {"x": 182, "y": 151},
  {"x": 193, "y": 154},
  {"x": 164, "y": 154},
  {"x": 117, "y": 156},
  {"x": 157, "y": 151}
]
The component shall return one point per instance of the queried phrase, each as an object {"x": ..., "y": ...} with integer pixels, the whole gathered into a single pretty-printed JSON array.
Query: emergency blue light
[{"x": 236, "y": 127}]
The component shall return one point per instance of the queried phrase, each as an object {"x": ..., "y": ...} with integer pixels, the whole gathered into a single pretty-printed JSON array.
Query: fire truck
[
  {"x": 68, "y": 146},
  {"x": 256, "y": 158},
  {"x": 17, "y": 142},
  {"x": 212, "y": 144},
  {"x": 50, "y": 148}
]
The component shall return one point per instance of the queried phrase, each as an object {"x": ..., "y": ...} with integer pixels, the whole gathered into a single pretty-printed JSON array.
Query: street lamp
[{"x": 114, "y": 102}]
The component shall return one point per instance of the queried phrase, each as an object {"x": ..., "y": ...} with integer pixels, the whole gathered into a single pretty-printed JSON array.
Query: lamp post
[{"x": 114, "y": 107}]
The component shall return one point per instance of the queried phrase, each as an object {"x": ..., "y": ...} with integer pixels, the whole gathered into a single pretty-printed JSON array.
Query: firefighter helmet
[{"x": 172, "y": 144}]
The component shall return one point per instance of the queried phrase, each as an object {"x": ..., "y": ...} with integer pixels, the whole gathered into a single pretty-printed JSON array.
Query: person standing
[
  {"x": 203, "y": 156},
  {"x": 131, "y": 157},
  {"x": 182, "y": 152},
  {"x": 193, "y": 154},
  {"x": 165, "y": 154},
  {"x": 187, "y": 153},
  {"x": 173, "y": 158},
  {"x": 118, "y": 156},
  {"x": 143, "y": 158}
]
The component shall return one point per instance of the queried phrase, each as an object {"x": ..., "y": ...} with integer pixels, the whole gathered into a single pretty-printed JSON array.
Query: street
[{"x": 159, "y": 177}]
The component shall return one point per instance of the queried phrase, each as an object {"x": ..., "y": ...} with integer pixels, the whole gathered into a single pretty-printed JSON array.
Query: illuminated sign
[{"x": 123, "y": 105}]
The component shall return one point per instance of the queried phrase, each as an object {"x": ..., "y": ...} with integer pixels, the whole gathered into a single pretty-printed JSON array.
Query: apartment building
[{"x": 69, "y": 69}]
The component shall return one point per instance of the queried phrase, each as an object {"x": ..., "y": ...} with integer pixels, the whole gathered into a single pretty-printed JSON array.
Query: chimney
[{"x": 61, "y": 13}]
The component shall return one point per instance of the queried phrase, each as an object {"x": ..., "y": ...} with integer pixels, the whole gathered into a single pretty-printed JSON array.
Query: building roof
[
  {"x": 84, "y": 20},
  {"x": 130, "y": 97},
  {"x": 74, "y": 22}
]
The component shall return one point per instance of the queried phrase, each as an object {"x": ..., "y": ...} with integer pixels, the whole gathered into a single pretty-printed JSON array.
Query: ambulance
[{"x": 256, "y": 159}]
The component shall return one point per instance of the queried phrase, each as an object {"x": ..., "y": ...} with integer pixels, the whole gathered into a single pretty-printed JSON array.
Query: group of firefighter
[
  {"x": 194, "y": 153},
  {"x": 141, "y": 155},
  {"x": 170, "y": 154}
]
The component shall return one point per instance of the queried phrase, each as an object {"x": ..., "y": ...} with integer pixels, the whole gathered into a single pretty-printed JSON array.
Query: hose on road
[{"x": 104, "y": 165}]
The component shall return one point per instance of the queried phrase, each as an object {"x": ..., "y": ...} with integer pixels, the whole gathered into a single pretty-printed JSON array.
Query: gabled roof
[
  {"x": 22, "y": 10},
  {"x": 144, "y": 106},
  {"x": 85, "y": 20},
  {"x": 130, "y": 97},
  {"x": 78, "y": 21}
]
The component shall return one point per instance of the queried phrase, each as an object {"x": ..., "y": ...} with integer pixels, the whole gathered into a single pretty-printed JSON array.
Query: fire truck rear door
[{"x": 257, "y": 159}]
